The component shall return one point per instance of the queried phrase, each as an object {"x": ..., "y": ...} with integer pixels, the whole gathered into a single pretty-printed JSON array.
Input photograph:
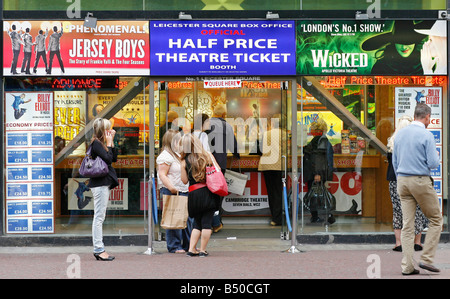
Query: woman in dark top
[
  {"x": 201, "y": 202},
  {"x": 102, "y": 145}
]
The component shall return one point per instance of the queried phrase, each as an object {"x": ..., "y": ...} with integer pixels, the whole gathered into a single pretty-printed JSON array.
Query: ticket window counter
[
  {"x": 359, "y": 123},
  {"x": 248, "y": 105}
]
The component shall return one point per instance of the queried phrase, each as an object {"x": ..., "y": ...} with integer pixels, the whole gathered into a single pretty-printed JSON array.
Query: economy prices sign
[{"x": 189, "y": 48}]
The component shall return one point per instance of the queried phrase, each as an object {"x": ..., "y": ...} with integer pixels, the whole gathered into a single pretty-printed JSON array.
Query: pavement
[{"x": 236, "y": 259}]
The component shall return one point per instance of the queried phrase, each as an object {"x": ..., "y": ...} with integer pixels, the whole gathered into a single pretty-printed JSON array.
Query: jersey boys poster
[{"x": 68, "y": 48}]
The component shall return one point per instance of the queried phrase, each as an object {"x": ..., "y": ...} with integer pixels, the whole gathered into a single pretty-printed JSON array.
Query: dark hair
[{"x": 200, "y": 119}]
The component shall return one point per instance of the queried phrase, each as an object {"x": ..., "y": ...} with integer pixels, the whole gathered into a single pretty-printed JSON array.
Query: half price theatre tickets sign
[
  {"x": 222, "y": 48},
  {"x": 68, "y": 48}
]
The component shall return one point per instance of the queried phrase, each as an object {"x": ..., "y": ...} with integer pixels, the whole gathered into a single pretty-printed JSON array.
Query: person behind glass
[
  {"x": 169, "y": 182},
  {"x": 201, "y": 124},
  {"x": 318, "y": 162},
  {"x": 102, "y": 145},
  {"x": 271, "y": 166},
  {"x": 221, "y": 139},
  {"x": 421, "y": 221},
  {"x": 202, "y": 203}
]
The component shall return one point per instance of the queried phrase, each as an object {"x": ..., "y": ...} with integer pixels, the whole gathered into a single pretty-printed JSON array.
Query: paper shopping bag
[{"x": 175, "y": 212}]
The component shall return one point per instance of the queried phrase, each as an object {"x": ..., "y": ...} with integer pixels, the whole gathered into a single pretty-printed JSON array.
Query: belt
[{"x": 196, "y": 186}]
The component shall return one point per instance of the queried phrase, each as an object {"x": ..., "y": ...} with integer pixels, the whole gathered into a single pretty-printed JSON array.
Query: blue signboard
[
  {"x": 222, "y": 48},
  {"x": 17, "y": 139}
]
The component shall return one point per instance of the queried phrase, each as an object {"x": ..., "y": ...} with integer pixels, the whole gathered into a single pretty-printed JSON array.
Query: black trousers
[
  {"x": 26, "y": 62},
  {"x": 274, "y": 187},
  {"x": 58, "y": 55},
  {"x": 14, "y": 61},
  {"x": 44, "y": 58}
]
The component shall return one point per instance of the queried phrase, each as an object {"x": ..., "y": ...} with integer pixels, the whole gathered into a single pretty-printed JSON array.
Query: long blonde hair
[
  {"x": 402, "y": 122},
  {"x": 170, "y": 141},
  {"x": 192, "y": 150},
  {"x": 100, "y": 126}
]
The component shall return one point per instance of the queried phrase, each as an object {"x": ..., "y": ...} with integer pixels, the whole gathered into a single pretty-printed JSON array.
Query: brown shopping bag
[{"x": 175, "y": 212}]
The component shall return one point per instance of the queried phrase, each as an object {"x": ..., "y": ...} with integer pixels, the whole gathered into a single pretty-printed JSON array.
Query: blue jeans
[
  {"x": 178, "y": 239},
  {"x": 101, "y": 197}
]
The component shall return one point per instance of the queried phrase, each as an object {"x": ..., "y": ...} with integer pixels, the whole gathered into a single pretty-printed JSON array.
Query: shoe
[
  {"x": 418, "y": 247},
  {"x": 414, "y": 272},
  {"x": 180, "y": 251},
  {"x": 203, "y": 254},
  {"x": 331, "y": 219},
  {"x": 217, "y": 228},
  {"x": 99, "y": 258},
  {"x": 428, "y": 267},
  {"x": 397, "y": 248},
  {"x": 191, "y": 254}
]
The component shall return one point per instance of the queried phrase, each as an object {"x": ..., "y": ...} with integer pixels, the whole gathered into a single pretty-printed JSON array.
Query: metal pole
[
  {"x": 151, "y": 162},
  {"x": 301, "y": 145},
  {"x": 293, "y": 248}
]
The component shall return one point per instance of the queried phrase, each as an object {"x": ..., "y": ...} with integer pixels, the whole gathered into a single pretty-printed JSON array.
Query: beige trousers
[{"x": 418, "y": 190}]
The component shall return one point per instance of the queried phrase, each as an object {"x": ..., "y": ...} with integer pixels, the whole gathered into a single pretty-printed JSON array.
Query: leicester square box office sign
[
  {"x": 375, "y": 47},
  {"x": 118, "y": 48},
  {"x": 227, "y": 48}
]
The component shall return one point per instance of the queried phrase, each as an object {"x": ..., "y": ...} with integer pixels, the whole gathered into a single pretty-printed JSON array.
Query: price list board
[
  {"x": 406, "y": 99},
  {"x": 29, "y": 171}
]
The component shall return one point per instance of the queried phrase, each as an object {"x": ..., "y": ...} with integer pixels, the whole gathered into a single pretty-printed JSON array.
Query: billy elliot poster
[
  {"x": 380, "y": 47},
  {"x": 222, "y": 48},
  {"x": 68, "y": 48}
]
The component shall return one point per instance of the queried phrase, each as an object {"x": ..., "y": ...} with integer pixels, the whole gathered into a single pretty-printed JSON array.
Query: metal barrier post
[{"x": 151, "y": 176}]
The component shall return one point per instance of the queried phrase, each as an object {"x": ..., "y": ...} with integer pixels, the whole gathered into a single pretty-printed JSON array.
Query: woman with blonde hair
[
  {"x": 202, "y": 203},
  {"x": 421, "y": 221},
  {"x": 102, "y": 145},
  {"x": 318, "y": 164},
  {"x": 169, "y": 182}
]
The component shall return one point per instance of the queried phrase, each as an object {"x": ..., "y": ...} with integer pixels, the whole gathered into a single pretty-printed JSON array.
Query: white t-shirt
[
  {"x": 174, "y": 173},
  {"x": 203, "y": 138}
]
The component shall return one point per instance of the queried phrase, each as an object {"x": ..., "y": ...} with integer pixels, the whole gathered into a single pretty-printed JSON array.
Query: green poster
[{"x": 376, "y": 47}]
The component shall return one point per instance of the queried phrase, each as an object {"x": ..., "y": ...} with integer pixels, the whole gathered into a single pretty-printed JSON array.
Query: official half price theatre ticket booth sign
[
  {"x": 222, "y": 48},
  {"x": 117, "y": 48}
]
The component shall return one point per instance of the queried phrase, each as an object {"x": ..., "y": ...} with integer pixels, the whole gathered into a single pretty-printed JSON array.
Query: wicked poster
[{"x": 371, "y": 47}]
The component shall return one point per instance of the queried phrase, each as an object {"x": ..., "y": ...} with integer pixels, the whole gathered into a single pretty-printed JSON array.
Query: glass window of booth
[
  {"x": 360, "y": 113},
  {"x": 42, "y": 162}
]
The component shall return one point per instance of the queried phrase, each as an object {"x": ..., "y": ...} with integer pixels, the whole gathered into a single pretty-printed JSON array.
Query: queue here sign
[{"x": 222, "y": 48}]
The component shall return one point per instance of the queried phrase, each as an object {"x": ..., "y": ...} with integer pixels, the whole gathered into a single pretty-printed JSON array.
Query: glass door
[{"x": 251, "y": 109}]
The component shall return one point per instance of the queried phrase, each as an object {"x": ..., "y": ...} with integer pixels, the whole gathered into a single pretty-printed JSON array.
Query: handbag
[
  {"x": 319, "y": 198},
  {"x": 236, "y": 181},
  {"x": 174, "y": 212},
  {"x": 93, "y": 168},
  {"x": 215, "y": 180}
]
